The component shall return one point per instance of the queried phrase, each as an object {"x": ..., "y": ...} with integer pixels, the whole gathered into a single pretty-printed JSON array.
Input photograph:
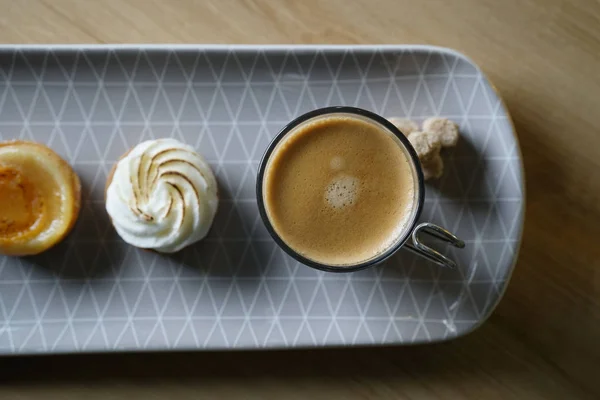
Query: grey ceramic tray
[{"x": 237, "y": 289}]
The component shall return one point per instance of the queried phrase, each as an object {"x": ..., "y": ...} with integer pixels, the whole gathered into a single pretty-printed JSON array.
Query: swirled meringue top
[{"x": 162, "y": 196}]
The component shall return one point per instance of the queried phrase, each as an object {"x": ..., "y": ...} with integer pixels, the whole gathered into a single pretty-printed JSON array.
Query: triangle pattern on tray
[{"x": 238, "y": 289}]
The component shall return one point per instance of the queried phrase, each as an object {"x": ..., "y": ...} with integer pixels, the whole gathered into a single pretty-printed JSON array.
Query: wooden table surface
[{"x": 542, "y": 342}]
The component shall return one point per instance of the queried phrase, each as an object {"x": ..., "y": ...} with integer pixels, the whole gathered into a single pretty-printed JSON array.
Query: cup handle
[{"x": 427, "y": 252}]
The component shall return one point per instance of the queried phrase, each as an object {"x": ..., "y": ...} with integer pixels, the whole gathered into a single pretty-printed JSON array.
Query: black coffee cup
[{"x": 410, "y": 237}]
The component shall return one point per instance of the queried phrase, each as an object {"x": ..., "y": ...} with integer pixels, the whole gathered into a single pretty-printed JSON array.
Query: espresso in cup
[{"x": 340, "y": 189}]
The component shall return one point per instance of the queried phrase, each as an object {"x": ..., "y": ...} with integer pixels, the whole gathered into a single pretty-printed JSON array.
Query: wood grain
[{"x": 543, "y": 341}]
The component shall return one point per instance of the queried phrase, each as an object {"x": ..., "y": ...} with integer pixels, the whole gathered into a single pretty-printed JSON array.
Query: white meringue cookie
[{"x": 162, "y": 196}]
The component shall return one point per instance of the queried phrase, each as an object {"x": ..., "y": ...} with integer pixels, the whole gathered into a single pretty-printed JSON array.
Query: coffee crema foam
[
  {"x": 339, "y": 190},
  {"x": 342, "y": 192}
]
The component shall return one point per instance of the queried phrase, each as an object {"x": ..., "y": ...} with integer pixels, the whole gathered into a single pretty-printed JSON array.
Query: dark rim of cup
[{"x": 318, "y": 113}]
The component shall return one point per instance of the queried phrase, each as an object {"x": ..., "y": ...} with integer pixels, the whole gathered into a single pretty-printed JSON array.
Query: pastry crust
[{"x": 40, "y": 198}]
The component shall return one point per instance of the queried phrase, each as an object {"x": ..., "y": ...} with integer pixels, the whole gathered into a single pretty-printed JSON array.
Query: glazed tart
[
  {"x": 40, "y": 198},
  {"x": 162, "y": 196}
]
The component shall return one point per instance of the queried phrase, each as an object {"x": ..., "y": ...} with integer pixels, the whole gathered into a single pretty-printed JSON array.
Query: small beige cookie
[
  {"x": 427, "y": 145},
  {"x": 405, "y": 125},
  {"x": 446, "y": 130},
  {"x": 434, "y": 168}
]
